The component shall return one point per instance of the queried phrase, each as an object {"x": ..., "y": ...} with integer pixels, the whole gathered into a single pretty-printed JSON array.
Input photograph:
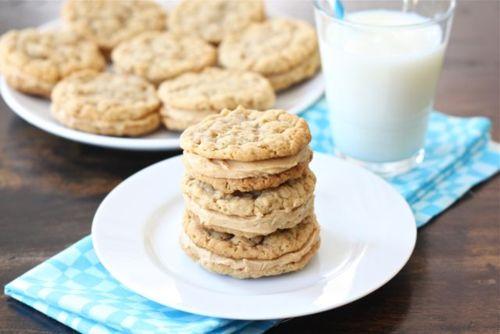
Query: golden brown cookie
[
  {"x": 247, "y": 135},
  {"x": 212, "y": 20},
  {"x": 191, "y": 97},
  {"x": 34, "y": 61},
  {"x": 283, "y": 50},
  {"x": 277, "y": 253},
  {"x": 159, "y": 56},
  {"x": 106, "y": 103},
  {"x": 108, "y": 22}
]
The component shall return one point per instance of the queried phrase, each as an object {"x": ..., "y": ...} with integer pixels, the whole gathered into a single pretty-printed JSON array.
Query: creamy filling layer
[
  {"x": 252, "y": 226},
  {"x": 232, "y": 169},
  {"x": 206, "y": 257}
]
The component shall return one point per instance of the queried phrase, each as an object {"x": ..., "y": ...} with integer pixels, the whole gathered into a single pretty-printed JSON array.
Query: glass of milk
[{"x": 381, "y": 61}]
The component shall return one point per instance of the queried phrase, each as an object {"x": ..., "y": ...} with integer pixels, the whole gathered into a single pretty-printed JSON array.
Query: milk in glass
[{"x": 381, "y": 79}]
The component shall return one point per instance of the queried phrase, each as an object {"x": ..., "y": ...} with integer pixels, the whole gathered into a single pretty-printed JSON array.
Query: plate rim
[{"x": 195, "y": 310}]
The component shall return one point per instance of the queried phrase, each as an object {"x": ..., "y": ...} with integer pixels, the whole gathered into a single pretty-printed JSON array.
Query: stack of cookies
[{"x": 249, "y": 193}]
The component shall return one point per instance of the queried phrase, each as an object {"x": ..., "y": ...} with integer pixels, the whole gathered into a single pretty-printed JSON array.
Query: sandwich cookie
[
  {"x": 109, "y": 23},
  {"x": 247, "y": 150},
  {"x": 285, "y": 51},
  {"x": 107, "y": 104},
  {"x": 214, "y": 19},
  {"x": 190, "y": 98},
  {"x": 34, "y": 61},
  {"x": 159, "y": 56},
  {"x": 252, "y": 213},
  {"x": 280, "y": 252}
]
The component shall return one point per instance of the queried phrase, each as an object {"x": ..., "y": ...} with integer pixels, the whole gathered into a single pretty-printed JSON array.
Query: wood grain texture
[{"x": 50, "y": 188}]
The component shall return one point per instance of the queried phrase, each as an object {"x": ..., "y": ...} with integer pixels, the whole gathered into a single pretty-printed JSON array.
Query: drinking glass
[{"x": 381, "y": 62}]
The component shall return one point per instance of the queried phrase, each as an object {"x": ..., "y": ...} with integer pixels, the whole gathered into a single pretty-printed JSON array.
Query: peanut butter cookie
[
  {"x": 159, "y": 56},
  {"x": 283, "y": 50},
  {"x": 212, "y": 20},
  {"x": 106, "y": 103},
  {"x": 193, "y": 96},
  {"x": 34, "y": 61},
  {"x": 251, "y": 213},
  {"x": 277, "y": 253},
  {"x": 109, "y": 23}
]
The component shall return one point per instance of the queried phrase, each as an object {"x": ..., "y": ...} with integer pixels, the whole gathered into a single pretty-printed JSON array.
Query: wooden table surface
[{"x": 50, "y": 188}]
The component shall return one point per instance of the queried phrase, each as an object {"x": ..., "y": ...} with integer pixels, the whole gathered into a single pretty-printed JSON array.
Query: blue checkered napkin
[
  {"x": 459, "y": 155},
  {"x": 74, "y": 288}
]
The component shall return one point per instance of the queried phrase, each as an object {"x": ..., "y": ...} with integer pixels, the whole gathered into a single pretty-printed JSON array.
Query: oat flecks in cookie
[
  {"x": 285, "y": 197},
  {"x": 110, "y": 22},
  {"x": 267, "y": 247},
  {"x": 33, "y": 61},
  {"x": 215, "y": 89},
  {"x": 106, "y": 103},
  {"x": 271, "y": 47},
  {"x": 212, "y": 20},
  {"x": 159, "y": 56},
  {"x": 247, "y": 135}
]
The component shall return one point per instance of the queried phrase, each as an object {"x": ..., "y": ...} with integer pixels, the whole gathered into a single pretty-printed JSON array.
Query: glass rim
[{"x": 429, "y": 21}]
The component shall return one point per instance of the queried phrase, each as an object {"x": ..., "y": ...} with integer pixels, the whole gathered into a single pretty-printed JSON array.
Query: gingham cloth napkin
[{"x": 75, "y": 289}]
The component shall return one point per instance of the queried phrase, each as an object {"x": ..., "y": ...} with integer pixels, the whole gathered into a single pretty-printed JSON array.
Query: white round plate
[
  {"x": 367, "y": 235},
  {"x": 36, "y": 111}
]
